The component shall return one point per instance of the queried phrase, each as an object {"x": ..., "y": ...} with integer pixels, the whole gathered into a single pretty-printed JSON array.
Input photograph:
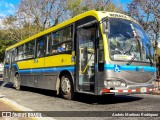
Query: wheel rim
[
  {"x": 65, "y": 85},
  {"x": 17, "y": 83}
]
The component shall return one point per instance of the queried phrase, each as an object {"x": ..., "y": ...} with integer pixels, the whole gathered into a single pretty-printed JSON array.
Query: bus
[{"x": 96, "y": 52}]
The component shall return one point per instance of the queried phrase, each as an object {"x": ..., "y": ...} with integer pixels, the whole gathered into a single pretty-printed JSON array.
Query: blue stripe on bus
[
  {"x": 14, "y": 65},
  {"x": 130, "y": 68},
  {"x": 42, "y": 70},
  {"x": 72, "y": 68}
]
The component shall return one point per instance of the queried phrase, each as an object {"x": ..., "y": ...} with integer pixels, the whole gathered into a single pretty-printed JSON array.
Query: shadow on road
[
  {"x": 106, "y": 99},
  {"x": 85, "y": 98},
  {"x": 1, "y": 82}
]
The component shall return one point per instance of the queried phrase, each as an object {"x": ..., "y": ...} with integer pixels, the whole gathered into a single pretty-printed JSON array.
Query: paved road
[{"x": 46, "y": 100}]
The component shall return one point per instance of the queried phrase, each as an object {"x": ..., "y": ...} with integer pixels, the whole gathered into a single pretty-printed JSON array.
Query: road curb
[
  {"x": 18, "y": 107},
  {"x": 1, "y": 96}
]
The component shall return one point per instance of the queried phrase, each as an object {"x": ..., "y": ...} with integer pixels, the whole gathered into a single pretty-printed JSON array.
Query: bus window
[
  {"x": 41, "y": 47},
  {"x": 16, "y": 54},
  {"x": 20, "y": 52},
  {"x": 49, "y": 43},
  {"x": 57, "y": 38},
  {"x": 29, "y": 50},
  {"x": 67, "y": 38},
  {"x": 62, "y": 38}
]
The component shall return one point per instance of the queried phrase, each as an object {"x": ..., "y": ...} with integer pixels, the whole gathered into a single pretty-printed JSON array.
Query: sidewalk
[
  {"x": 10, "y": 110},
  {"x": 7, "y": 107}
]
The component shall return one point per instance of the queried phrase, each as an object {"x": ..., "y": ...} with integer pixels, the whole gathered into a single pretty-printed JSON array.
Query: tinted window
[
  {"x": 29, "y": 50},
  {"x": 41, "y": 47},
  {"x": 20, "y": 53},
  {"x": 62, "y": 40}
]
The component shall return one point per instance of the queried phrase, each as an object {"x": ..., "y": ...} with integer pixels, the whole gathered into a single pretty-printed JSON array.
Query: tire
[
  {"x": 66, "y": 87},
  {"x": 17, "y": 83}
]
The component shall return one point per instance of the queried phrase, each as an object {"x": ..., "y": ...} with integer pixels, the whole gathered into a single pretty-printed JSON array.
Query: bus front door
[{"x": 86, "y": 59}]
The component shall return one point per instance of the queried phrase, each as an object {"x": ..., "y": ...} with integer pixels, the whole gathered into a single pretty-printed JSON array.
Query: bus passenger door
[{"x": 86, "y": 59}]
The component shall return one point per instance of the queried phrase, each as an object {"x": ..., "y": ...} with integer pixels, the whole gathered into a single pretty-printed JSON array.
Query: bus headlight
[
  {"x": 123, "y": 84},
  {"x": 116, "y": 83}
]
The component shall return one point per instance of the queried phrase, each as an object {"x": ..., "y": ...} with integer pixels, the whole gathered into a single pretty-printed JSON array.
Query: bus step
[{"x": 87, "y": 86}]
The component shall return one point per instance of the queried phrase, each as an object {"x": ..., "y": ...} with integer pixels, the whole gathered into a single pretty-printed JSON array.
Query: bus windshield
[{"x": 127, "y": 40}]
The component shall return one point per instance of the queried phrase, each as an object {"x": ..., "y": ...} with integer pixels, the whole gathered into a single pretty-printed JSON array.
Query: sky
[{"x": 8, "y": 7}]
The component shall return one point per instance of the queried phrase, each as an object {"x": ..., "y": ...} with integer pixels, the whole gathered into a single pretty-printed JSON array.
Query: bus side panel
[
  {"x": 44, "y": 76},
  {"x": 25, "y": 72}
]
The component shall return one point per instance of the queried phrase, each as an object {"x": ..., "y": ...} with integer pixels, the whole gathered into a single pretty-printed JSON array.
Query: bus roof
[{"x": 97, "y": 14}]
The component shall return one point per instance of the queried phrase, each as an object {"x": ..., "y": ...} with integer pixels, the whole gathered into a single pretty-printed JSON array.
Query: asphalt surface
[{"x": 47, "y": 100}]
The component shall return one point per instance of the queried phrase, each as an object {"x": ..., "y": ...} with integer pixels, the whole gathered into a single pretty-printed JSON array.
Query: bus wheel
[
  {"x": 66, "y": 87},
  {"x": 17, "y": 82}
]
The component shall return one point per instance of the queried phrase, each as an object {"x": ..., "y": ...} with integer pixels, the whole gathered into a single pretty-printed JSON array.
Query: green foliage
[
  {"x": 3, "y": 45},
  {"x": 75, "y": 7}
]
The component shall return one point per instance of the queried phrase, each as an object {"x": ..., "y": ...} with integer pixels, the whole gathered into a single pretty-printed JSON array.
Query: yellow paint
[
  {"x": 59, "y": 60},
  {"x": 26, "y": 64},
  {"x": 15, "y": 108},
  {"x": 8, "y": 104},
  {"x": 51, "y": 61}
]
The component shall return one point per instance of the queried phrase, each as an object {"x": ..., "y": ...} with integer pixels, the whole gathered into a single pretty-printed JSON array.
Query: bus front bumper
[{"x": 130, "y": 89}]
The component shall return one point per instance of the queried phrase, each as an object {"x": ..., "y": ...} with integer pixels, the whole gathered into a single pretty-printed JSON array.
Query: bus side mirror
[{"x": 105, "y": 26}]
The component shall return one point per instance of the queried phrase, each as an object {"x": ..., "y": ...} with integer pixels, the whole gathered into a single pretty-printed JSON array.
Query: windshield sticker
[
  {"x": 116, "y": 68},
  {"x": 123, "y": 57}
]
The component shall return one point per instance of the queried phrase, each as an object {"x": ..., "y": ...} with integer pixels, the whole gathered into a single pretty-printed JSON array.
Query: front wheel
[
  {"x": 66, "y": 87},
  {"x": 17, "y": 82}
]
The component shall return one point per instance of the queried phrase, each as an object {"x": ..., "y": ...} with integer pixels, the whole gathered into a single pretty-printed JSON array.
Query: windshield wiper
[
  {"x": 149, "y": 56},
  {"x": 135, "y": 55},
  {"x": 150, "y": 60}
]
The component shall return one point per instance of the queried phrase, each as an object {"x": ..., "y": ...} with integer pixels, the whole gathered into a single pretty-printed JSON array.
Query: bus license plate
[{"x": 143, "y": 89}]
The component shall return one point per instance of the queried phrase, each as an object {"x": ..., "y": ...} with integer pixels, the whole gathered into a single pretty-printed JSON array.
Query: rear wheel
[
  {"x": 66, "y": 87},
  {"x": 17, "y": 82}
]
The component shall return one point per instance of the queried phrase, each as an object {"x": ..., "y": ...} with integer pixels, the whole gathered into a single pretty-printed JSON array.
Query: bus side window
[
  {"x": 55, "y": 41},
  {"x": 67, "y": 38},
  {"x": 62, "y": 38},
  {"x": 20, "y": 52},
  {"x": 49, "y": 44},
  {"x": 41, "y": 47},
  {"x": 29, "y": 50}
]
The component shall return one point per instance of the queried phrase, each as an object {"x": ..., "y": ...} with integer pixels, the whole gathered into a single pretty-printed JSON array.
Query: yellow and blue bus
[{"x": 96, "y": 52}]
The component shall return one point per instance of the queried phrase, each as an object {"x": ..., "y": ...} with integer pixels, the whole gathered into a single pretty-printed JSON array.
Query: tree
[
  {"x": 76, "y": 7},
  {"x": 146, "y": 12},
  {"x": 33, "y": 16},
  {"x": 4, "y": 43},
  {"x": 43, "y": 13}
]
